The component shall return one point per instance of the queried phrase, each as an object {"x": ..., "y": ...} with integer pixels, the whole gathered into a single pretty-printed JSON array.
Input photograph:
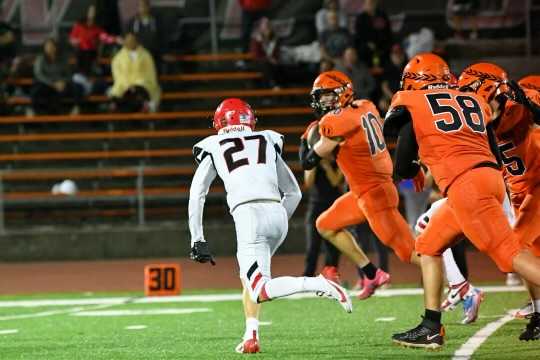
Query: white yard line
[
  {"x": 468, "y": 348},
  {"x": 385, "y": 319},
  {"x": 140, "y": 312},
  {"x": 51, "y": 313},
  {"x": 136, "y": 327},
  {"x": 209, "y": 298},
  {"x": 8, "y": 331}
]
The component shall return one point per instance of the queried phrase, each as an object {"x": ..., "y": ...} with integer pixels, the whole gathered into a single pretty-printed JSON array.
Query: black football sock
[
  {"x": 432, "y": 319},
  {"x": 369, "y": 270}
]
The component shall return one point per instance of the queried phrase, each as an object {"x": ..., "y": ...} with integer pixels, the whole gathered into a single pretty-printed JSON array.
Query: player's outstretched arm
[
  {"x": 288, "y": 186},
  {"x": 203, "y": 178}
]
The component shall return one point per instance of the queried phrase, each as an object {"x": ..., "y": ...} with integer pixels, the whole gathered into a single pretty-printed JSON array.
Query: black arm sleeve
[
  {"x": 493, "y": 143},
  {"x": 406, "y": 154}
]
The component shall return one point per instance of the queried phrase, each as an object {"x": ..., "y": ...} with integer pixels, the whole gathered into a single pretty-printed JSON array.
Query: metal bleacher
[{"x": 130, "y": 167}]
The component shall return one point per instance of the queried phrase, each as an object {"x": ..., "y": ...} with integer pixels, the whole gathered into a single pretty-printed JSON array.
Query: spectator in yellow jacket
[{"x": 135, "y": 85}]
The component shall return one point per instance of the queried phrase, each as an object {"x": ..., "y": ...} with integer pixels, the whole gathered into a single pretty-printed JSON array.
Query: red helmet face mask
[{"x": 234, "y": 112}]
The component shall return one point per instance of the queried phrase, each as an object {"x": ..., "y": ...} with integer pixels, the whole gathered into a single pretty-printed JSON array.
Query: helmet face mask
[{"x": 324, "y": 101}]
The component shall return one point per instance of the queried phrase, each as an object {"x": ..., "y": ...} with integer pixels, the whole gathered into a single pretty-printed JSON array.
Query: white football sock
[
  {"x": 453, "y": 274},
  {"x": 536, "y": 305},
  {"x": 288, "y": 285},
  {"x": 252, "y": 324}
]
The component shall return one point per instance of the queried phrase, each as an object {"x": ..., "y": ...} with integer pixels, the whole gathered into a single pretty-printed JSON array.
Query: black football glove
[
  {"x": 518, "y": 95},
  {"x": 200, "y": 253}
]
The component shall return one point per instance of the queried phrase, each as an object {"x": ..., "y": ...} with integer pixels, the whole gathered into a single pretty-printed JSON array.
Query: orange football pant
[
  {"x": 474, "y": 208},
  {"x": 527, "y": 226},
  {"x": 377, "y": 206}
]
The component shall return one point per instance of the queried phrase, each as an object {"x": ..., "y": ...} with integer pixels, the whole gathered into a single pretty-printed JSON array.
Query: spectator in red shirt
[
  {"x": 252, "y": 10},
  {"x": 86, "y": 37}
]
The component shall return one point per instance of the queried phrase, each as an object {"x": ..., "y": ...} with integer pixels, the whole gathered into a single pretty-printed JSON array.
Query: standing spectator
[
  {"x": 135, "y": 86},
  {"x": 373, "y": 34},
  {"x": 108, "y": 16},
  {"x": 147, "y": 29},
  {"x": 52, "y": 82},
  {"x": 86, "y": 37},
  {"x": 265, "y": 48},
  {"x": 391, "y": 76},
  {"x": 252, "y": 10},
  {"x": 321, "y": 22},
  {"x": 324, "y": 184},
  {"x": 358, "y": 72},
  {"x": 335, "y": 39},
  {"x": 460, "y": 10}
]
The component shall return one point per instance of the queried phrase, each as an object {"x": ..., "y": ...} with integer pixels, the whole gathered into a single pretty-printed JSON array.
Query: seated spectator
[
  {"x": 86, "y": 37},
  {"x": 135, "y": 86},
  {"x": 52, "y": 82},
  {"x": 321, "y": 22},
  {"x": 265, "y": 48},
  {"x": 147, "y": 29},
  {"x": 364, "y": 83},
  {"x": 419, "y": 42},
  {"x": 335, "y": 39},
  {"x": 8, "y": 46},
  {"x": 326, "y": 65},
  {"x": 373, "y": 36},
  {"x": 391, "y": 77}
]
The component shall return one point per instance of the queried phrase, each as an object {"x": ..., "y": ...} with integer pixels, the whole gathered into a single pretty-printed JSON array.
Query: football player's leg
[
  {"x": 476, "y": 198},
  {"x": 439, "y": 233},
  {"x": 380, "y": 207},
  {"x": 268, "y": 225},
  {"x": 332, "y": 224}
]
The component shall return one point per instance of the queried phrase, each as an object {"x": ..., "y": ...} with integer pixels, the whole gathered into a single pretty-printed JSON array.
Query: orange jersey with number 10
[
  {"x": 450, "y": 128},
  {"x": 362, "y": 157}
]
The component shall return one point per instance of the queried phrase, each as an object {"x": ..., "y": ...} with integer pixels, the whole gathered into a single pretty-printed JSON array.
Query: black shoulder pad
[{"x": 394, "y": 121}]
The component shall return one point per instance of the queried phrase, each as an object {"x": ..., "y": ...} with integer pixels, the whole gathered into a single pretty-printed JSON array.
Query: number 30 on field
[{"x": 162, "y": 279}]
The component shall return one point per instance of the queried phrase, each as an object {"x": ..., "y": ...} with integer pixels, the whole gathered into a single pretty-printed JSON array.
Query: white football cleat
[
  {"x": 336, "y": 292},
  {"x": 455, "y": 295}
]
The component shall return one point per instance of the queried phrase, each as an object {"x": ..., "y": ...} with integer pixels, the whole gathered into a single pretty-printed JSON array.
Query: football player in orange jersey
[
  {"x": 520, "y": 151},
  {"x": 354, "y": 129},
  {"x": 451, "y": 133}
]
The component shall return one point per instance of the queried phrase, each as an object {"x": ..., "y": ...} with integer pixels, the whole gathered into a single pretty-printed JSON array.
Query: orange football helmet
[
  {"x": 486, "y": 79},
  {"x": 331, "y": 82},
  {"x": 425, "y": 71},
  {"x": 530, "y": 82}
]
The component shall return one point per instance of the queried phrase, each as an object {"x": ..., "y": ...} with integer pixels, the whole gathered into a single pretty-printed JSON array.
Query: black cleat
[
  {"x": 532, "y": 331},
  {"x": 427, "y": 335}
]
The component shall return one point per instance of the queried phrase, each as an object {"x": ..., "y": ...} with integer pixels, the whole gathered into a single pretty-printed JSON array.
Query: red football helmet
[
  {"x": 424, "y": 71},
  {"x": 234, "y": 112}
]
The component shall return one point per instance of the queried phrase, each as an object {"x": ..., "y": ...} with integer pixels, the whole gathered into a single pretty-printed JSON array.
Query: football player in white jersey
[{"x": 262, "y": 195}]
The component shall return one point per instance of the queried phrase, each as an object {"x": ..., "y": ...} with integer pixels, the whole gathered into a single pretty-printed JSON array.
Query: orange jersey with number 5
[
  {"x": 362, "y": 157},
  {"x": 519, "y": 145},
  {"x": 450, "y": 129}
]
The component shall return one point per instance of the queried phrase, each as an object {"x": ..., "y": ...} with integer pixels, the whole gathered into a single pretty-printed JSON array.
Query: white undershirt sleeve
[
  {"x": 203, "y": 178},
  {"x": 288, "y": 186}
]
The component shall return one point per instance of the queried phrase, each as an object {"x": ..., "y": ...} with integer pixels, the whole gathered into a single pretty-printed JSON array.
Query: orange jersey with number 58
[
  {"x": 362, "y": 157},
  {"x": 450, "y": 129}
]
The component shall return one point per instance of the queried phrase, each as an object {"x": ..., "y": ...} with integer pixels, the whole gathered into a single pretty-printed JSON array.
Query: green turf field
[{"x": 296, "y": 329}]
